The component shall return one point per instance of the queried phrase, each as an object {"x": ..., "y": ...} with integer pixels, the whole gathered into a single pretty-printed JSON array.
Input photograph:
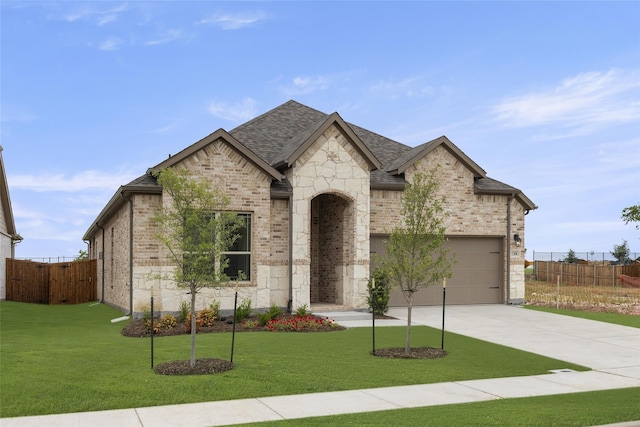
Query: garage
[{"x": 478, "y": 275}]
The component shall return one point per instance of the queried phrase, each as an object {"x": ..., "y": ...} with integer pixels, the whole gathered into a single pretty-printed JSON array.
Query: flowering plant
[{"x": 300, "y": 323}]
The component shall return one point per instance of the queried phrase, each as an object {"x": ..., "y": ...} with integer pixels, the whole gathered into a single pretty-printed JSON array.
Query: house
[
  {"x": 9, "y": 238},
  {"x": 319, "y": 196}
]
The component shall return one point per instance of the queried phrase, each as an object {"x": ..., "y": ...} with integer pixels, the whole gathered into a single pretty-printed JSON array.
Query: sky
[{"x": 544, "y": 96}]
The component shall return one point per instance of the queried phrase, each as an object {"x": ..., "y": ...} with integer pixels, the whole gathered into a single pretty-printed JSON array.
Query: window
[{"x": 239, "y": 255}]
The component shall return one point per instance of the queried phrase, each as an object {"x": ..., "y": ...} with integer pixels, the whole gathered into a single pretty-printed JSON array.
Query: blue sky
[{"x": 544, "y": 96}]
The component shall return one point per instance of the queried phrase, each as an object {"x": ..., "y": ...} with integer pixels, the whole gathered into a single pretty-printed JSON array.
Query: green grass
[
  {"x": 577, "y": 409},
  {"x": 58, "y": 359},
  {"x": 618, "y": 319}
]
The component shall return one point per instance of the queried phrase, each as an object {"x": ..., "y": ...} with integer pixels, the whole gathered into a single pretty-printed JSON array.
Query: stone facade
[{"x": 311, "y": 219}]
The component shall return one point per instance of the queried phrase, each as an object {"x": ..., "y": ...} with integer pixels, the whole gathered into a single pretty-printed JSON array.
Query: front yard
[{"x": 58, "y": 359}]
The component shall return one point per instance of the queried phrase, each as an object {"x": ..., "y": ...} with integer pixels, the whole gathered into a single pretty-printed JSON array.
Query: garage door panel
[{"x": 477, "y": 275}]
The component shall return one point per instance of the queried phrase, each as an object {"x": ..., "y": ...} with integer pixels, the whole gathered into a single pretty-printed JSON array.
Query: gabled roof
[
  {"x": 219, "y": 134},
  {"x": 274, "y": 140},
  {"x": 6, "y": 202},
  {"x": 413, "y": 155},
  {"x": 301, "y": 142}
]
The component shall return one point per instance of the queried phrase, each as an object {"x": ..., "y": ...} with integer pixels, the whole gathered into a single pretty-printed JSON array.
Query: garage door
[{"x": 477, "y": 276}]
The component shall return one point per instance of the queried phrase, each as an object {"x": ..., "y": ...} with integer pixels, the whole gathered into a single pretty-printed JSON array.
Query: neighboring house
[
  {"x": 9, "y": 238},
  {"x": 319, "y": 196}
]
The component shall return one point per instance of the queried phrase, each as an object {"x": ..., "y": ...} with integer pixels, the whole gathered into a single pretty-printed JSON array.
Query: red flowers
[{"x": 300, "y": 323}]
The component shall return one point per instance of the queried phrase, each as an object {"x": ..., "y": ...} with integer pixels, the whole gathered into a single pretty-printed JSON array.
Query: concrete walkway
[{"x": 613, "y": 352}]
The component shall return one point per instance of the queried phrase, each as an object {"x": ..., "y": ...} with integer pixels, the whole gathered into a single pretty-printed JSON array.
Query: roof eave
[
  {"x": 451, "y": 147},
  {"x": 116, "y": 202},
  {"x": 335, "y": 118},
  {"x": 219, "y": 134}
]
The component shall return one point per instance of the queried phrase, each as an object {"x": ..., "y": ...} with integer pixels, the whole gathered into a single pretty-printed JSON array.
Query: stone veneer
[{"x": 331, "y": 197}]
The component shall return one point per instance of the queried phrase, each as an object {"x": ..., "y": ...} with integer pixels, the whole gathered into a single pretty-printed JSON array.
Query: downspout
[
  {"x": 130, "y": 253},
  {"x": 510, "y": 199},
  {"x": 290, "y": 303},
  {"x": 102, "y": 259}
]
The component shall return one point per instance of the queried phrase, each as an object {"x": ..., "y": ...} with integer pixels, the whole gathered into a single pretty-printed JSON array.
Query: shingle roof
[{"x": 272, "y": 140}]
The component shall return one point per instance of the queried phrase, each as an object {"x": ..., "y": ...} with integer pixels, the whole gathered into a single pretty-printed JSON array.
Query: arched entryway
[{"x": 331, "y": 247}]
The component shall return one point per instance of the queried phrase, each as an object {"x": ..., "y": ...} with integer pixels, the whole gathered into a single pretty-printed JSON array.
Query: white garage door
[{"x": 477, "y": 276}]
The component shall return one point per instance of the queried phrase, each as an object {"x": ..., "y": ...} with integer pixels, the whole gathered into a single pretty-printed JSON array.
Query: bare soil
[{"x": 414, "y": 353}]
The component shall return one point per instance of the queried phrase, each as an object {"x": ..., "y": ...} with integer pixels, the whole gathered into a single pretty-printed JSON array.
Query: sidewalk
[{"x": 612, "y": 351}]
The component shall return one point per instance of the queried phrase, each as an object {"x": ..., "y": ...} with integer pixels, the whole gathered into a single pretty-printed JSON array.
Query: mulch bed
[
  {"x": 202, "y": 367},
  {"x": 137, "y": 328},
  {"x": 414, "y": 353}
]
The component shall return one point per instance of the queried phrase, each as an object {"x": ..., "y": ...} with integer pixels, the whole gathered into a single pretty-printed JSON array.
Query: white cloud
[
  {"x": 234, "y": 21},
  {"x": 13, "y": 114},
  {"x": 240, "y": 111},
  {"x": 304, "y": 85},
  {"x": 110, "y": 44},
  {"x": 167, "y": 37},
  {"x": 410, "y": 87},
  {"x": 87, "y": 180},
  {"x": 579, "y": 104},
  {"x": 99, "y": 16}
]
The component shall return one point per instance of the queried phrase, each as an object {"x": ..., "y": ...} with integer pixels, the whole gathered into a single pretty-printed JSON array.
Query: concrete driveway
[{"x": 598, "y": 345}]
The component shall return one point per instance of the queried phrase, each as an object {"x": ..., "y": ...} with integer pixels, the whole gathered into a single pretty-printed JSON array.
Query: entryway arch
[{"x": 331, "y": 247}]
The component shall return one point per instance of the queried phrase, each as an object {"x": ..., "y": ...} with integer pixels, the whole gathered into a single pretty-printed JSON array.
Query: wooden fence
[
  {"x": 57, "y": 283},
  {"x": 596, "y": 274}
]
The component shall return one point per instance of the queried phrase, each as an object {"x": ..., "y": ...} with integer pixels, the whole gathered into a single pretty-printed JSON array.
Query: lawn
[
  {"x": 58, "y": 359},
  {"x": 616, "y": 318},
  {"x": 576, "y": 409}
]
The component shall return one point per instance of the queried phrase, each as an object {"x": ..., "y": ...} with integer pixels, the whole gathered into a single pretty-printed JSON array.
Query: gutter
[
  {"x": 509, "y": 200},
  {"x": 130, "y": 252},
  {"x": 290, "y": 302},
  {"x": 102, "y": 258}
]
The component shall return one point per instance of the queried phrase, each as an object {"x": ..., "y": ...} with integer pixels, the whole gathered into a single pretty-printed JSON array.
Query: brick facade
[{"x": 310, "y": 244}]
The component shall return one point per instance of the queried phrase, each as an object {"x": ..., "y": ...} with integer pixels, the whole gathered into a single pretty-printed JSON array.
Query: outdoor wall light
[{"x": 517, "y": 239}]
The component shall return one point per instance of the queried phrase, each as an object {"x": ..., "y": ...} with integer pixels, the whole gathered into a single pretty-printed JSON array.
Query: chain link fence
[{"x": 589, "y": 257}]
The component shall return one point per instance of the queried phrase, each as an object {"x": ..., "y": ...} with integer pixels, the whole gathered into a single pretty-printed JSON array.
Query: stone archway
[{"x": 330, "y": 247}]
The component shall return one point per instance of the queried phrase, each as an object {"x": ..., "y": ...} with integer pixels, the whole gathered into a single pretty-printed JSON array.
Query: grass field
[
  {"x": 577, "y": 409},
  {"x": 583, "y": 297},
  {"x": 57, "y": 359},
  {"x": 616, "y": 318}
]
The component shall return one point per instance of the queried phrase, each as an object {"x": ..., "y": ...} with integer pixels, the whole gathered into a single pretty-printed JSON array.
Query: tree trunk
[
  {"x": 407, "y": 344},
  {"x": 193, "y": 328}
]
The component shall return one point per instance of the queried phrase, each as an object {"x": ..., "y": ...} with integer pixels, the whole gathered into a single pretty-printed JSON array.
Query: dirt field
[{"x": 583, "y": 297}]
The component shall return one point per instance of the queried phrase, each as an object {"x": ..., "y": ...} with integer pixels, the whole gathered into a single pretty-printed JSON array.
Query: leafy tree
[
  {"x": 621, "y": 252},
  {"x": 82, "y": 254},
  {"x": 632, "y": 214},
  {"x": 416, "y": 256},
  {"x": 571, "y": 257},
  {"x": 196, "y": 231}
]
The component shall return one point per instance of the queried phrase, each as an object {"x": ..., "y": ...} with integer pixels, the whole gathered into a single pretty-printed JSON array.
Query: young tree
[
  {"x": 571, "y": 257},
  {"x": 196, "y": 231},
  {"x": 416, "y": 256},
  {"x": 621, "y": 252},
  {"x": 632, "y": 214}
]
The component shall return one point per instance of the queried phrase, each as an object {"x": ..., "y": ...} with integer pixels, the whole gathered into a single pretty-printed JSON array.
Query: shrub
[
  {"x": 183, "y": 312},
  {"x": 205, "y": 317},
  {"x": 168, "y": 321},
  {"x": 299, "y": 323},
  {"x": 244, "y": 310},
  {"x": 378, "y": 298},
  {"x": 273, "y": 313},
  {"x": 303, "y": 310},
  {"x": 251, "y": 324},
  {"x": 215, "y": 306}
]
